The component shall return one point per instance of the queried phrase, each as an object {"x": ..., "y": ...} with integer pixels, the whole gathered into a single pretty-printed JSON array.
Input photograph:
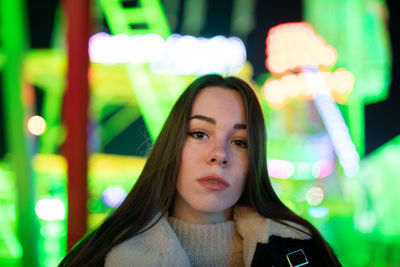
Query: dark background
[{"x": 382, "y": 121}]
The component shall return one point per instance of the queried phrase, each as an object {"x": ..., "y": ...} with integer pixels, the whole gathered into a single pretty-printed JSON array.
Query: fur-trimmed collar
[
  {"x": 159, "y": 246},
  {"x": 254, "y": 228}
]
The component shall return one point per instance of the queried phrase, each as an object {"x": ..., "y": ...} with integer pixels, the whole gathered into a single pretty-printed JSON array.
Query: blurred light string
[
  {"x": 176, "y": 55},
  {"x": 285, "y": 169},
  {"x": 278, "y": 92},
  {"x": 334, "y": 122}
]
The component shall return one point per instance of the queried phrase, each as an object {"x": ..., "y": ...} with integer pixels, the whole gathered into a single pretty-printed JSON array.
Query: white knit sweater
[
  {"x": 160, "y": 245},
  {"x": 214, "y": 244}
]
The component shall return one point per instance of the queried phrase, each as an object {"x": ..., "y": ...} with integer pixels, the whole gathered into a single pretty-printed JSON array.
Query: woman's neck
[{"x": 189, "y": 215}]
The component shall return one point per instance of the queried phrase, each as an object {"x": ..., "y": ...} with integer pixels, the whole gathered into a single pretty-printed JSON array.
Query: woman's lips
[{"x": 213, "y": 183}]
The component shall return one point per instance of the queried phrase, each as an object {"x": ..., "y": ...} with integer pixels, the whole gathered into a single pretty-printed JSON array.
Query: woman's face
[{"x": 214, "y": 162}]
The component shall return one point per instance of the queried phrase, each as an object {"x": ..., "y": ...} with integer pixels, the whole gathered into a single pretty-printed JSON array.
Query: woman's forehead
[
  {"x": 220, "y": 104},
  {"x": 211, "y": 94}
]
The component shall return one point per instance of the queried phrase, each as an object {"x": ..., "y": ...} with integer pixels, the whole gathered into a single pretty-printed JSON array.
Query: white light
[
  {"x": 120, "y": 48},
  {"x": 36, "y": 125},
  {"x": 314, "y": 196},
  {"x": 177, "y": 55},
  {"x": 334, "y": 122},
  {"x": 50, "y": 209},
  {"x": 113, "y": 196},
  {"x": 183, "y": 57}
]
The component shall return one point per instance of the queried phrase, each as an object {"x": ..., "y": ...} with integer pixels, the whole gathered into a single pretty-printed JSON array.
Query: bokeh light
[
  {"x": 113, "y": 196},
  {"x": 50, "y": 209},
  {"x": 36, "y": 125},
  {"x": 295, "y": 45},
  {"x": 279, "y": 91},
  {"x": 177, "y": 54},
  {"x": 314, "y": 196},
  {"x": 318, "y": 212}
]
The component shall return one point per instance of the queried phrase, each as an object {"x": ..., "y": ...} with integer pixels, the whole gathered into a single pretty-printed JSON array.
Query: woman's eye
[
  {"x": 198, "y": 135},
  {"x": 240, "y": 143}
]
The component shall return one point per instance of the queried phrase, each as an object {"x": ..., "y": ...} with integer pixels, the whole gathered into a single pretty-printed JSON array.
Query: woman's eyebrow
[
  {"x": 204, "y": 118},
  {"x": 237, "y": 126}
]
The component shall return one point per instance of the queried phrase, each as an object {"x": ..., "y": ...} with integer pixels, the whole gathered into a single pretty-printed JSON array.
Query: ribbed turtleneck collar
[{"x": 215, "y": 244}]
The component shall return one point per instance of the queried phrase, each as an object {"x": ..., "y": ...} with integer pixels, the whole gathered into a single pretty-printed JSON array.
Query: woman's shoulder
[
  {"x": 265, "y": 239},
  {"x": 157, "y": 246},
  {"x": 267, "y": 242},
  {"x": 250, "y": 223},
  {"x": 132, "y": 252}
]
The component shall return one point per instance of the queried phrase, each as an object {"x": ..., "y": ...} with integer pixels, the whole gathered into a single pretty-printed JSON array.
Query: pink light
[
  {"x": 282, "y": 169},
  {"x": 324, "y": 168}
]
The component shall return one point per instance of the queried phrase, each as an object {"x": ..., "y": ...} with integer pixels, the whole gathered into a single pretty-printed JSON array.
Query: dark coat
[{"x": 288, "y": 252}]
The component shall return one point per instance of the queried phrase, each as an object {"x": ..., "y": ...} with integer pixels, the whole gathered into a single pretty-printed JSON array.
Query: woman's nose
[{"x": 219, "y": 155}]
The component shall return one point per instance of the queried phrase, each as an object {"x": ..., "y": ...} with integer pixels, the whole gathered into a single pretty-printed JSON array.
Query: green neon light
[
  {"x": 379, "y": 177},
  {"x": 51, "y": 173},
  {"x": 110, "y": 84},
  {"x": 149, "y": 13},
  {"x": 361, "y": 39},
  {"x": 10, "y": 247},
  {"x": 144, "y": 92},
  {"x": 117, "y": 123},
  {"x": 46, "y": 68},
  {"x": 13, "y": 38},
  {"x": 358, "y": 32},
  {"x": 2, "y": 58},
  {"x": 155, "y": 93}
]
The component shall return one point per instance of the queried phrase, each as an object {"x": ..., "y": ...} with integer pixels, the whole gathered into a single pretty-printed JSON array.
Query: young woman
[{"x": 204, "y": 197}]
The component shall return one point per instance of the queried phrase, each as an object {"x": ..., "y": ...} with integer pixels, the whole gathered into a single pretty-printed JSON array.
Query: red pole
[{"x": 75, "y": 113}]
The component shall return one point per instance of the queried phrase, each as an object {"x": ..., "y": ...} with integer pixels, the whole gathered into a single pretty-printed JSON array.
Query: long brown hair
[{"x": 155, "y": 188}]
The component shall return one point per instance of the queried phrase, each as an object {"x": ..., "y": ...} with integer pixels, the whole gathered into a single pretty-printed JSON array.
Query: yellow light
[
  {"x": 344, "y": 81},
  {"x": 36, "y": 125},
  {"x": 277, "y": 92}
]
